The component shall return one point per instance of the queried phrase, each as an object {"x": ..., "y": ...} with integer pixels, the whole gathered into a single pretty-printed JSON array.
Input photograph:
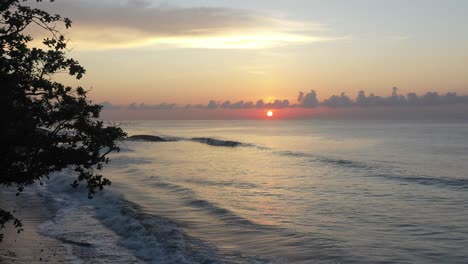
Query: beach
[{"x": 29, "y": 246}]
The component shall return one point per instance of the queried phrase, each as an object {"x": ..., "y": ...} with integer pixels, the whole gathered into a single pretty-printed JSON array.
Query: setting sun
[{"x": 270, "y": 113}]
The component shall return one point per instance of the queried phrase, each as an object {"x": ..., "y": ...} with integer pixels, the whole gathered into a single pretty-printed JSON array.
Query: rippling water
[{"x": 289, "y": 192}]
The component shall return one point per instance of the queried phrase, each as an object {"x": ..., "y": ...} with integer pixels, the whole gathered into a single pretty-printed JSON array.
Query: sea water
[{"x": 303, "y": 191}]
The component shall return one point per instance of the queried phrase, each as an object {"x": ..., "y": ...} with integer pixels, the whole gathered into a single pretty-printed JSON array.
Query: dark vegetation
[{"x": 46, "y": 126}]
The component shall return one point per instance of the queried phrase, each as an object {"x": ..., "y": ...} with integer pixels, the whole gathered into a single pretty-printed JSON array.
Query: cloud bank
[
  {"x": 131, "y": 23},
  {"x": 309, "y": 100}
]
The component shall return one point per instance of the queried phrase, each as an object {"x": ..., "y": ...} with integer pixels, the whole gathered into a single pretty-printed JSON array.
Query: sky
[{"x": 188, "y": 52}]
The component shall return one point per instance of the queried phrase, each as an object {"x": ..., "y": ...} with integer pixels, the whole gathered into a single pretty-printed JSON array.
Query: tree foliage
[{"x": 46, "y": 126}]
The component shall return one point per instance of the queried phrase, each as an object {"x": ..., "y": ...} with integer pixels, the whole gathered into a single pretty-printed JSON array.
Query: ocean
[{"x": 305, "y": 191}]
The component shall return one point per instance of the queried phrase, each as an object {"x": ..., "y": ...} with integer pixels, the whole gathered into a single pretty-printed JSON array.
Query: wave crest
[
  {"x": 217, "y": 142},
  {"x": 151, "y": 238},
  {"x": 205, "y": 140}
]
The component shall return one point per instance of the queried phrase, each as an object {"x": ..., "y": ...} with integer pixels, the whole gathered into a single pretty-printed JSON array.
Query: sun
[{"x": 270, "y": 113}]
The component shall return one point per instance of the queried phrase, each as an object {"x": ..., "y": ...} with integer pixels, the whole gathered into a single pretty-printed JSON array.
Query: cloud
[
  {"x": 310, "y": 100},
  {"x": 395, "y": 99},
  {"x": 278, "y": 104},
  {"x": 143, "y": 106},
  {"x": 117, "y": 24},
  {"x": 242, "y": 105},
  {"x": 338, "y": 101},
  {"x": 226, "y": 104},
  {"x": 109, "y": 106},
  {"x": 212, "y": 104},
  {"x": 300, "y": 97},
  {"x": 237, "y": 105},
  {"x": 260, "y": 104}
]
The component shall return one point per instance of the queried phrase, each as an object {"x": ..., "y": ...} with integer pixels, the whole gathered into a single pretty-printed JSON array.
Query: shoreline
[{"x": 29, "y": 246}]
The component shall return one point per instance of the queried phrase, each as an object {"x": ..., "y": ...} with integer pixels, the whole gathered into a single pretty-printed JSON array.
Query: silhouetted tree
[{"x": 46, "y": 126}]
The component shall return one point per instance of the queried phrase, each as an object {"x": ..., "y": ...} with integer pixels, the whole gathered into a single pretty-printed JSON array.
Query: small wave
[
  {"x": 150, "y": 138},
  {"x": 426, "y": 180},
  {"x": 236, "y": 184},
  {"x": 124, "y": 161},
  {"x": 345, "y": 163},
  {"x": 217, "y": 142},
  {"x": 173, "y": 188},
  {"x": 192, "y": 200},
  {"x": 125, "y": 149},
  {"x": 224, "y": 214},
  {"x": 327, "y": 160},
  {"x": 381, "y": 171}
]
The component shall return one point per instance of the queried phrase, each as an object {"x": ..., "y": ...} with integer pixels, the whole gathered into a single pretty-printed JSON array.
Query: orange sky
[{"x": 190, "y": 52}]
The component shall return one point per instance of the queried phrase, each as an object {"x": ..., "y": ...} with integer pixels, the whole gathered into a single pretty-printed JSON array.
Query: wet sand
[{"x": 29, "y": 246}]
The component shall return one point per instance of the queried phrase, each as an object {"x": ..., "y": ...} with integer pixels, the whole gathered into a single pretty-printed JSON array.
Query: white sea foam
[{"x": 108, "y": 224}]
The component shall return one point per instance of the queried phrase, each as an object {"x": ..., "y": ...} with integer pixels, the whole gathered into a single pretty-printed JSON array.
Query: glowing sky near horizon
[{"x": 189, "y": 52}]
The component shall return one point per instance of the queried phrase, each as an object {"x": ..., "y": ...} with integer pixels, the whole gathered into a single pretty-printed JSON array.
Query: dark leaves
[{"x": 47, "y": 126}]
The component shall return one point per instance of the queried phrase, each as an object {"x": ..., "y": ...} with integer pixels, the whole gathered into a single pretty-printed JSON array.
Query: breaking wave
[{"x": 151, "y": 238}]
